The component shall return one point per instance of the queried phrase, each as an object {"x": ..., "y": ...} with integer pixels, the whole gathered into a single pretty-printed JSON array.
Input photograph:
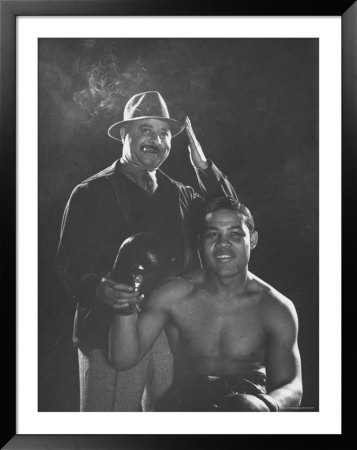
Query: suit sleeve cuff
[
  {"x": 86, "y": 288},
  {"x": 212, "y": 181}
]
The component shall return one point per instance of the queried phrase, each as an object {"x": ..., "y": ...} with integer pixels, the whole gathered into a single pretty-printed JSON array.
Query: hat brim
[{"x": 175, "y": 126}]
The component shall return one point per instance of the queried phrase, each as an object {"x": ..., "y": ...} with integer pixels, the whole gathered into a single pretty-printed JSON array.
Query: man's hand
[
  {"x": 197, "y": 156},
  {"x": 116, "y": 295}
]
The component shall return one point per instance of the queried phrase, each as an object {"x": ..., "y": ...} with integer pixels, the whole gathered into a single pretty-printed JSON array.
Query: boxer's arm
[
  {"x": 131, "y": 337},
  {"x": 283, "y": 363}
]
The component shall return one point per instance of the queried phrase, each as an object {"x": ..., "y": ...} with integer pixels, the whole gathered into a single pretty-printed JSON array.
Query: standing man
[
  {"x": 130, "y": 196},
  {"x": 234, "y": 337}
]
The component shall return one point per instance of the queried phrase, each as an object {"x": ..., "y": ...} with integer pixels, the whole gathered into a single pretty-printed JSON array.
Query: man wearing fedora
[{"x": 130, "y": 196}]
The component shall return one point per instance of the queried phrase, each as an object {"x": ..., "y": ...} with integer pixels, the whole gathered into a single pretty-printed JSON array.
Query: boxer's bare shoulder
[
  {"x": 278, "y": 311},
  {"x": 171, "y": 290}
]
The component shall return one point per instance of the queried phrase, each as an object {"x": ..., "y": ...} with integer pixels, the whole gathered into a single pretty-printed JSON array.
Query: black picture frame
[{"x": 10, "y": 10}]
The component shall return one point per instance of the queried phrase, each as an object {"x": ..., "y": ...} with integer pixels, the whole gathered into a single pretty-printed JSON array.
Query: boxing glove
[{"x": 142, "y": 260}]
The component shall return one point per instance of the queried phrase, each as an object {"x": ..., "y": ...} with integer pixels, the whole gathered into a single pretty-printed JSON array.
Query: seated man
[{"x": 233, "y": 336}]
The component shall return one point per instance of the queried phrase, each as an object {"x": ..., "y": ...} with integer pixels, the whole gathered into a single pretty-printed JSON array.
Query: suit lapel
[
  {"x": 171, "y": 196},
  {"x": 117, "y": 182}
]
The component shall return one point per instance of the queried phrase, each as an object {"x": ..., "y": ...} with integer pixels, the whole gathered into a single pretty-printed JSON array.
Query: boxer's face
[
  {"x": 227, "y": 242},
  {"x": 147, "y": 143}
]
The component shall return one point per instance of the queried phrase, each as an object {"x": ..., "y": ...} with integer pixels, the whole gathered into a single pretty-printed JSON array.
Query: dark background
[{"x": 253, "y": 104}]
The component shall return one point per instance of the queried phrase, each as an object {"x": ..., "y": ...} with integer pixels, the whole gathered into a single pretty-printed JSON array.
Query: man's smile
[
  {"x": 150, "y": 149},
  {"x": 224, "y": 256}
]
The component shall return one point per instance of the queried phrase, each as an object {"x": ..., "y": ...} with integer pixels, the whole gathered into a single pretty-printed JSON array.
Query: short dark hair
[{"x": 229, "y": 202}]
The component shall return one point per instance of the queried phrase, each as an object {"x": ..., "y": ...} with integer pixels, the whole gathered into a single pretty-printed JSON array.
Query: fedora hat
[{"x": 146, "y": 105}]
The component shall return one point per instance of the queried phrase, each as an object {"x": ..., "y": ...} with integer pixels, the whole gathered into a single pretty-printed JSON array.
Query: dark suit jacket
[{"x": 97, "y": 219}]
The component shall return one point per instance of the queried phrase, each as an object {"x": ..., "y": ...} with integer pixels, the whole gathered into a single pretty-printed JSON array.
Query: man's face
[
  {"x": 147, "y": 143},
  {"x": 226, "y": 243}
]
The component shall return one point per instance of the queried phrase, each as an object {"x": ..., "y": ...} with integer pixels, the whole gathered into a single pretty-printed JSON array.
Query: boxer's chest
[{"x": 233, "y": 330}]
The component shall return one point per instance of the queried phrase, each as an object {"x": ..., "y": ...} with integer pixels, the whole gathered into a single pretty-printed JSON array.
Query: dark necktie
[{"x": 149, "y": 183}]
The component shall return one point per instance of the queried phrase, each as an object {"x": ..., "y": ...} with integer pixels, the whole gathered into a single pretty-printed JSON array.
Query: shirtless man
[{"x": 233, "y": 336}]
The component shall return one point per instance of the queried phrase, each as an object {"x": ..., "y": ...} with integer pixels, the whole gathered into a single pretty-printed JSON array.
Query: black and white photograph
[
  {"x": 178, "y": 224},
  {"x": 173, "y": 186}
]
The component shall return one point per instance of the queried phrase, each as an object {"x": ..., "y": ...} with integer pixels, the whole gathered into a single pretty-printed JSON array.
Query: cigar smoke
[{"x": 109, "y": 86}]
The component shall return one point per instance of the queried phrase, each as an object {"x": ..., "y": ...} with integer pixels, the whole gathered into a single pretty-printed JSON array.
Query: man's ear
[
  {"x": 253, "y": 239},
  {"x": 122, "y": 133}
]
